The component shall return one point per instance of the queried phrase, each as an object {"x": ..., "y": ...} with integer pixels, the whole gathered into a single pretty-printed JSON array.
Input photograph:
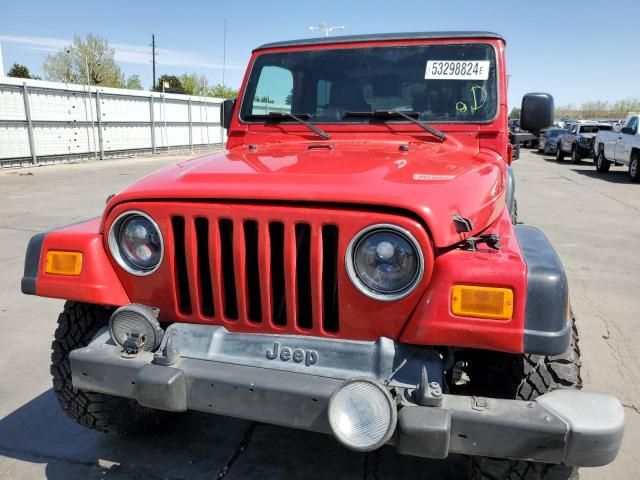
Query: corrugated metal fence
[{"x": 45, "y": 122}]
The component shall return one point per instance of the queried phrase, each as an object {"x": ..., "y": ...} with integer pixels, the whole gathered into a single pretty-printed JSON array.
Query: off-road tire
[
  {"x": 559, "y": 153},
  {"x": 634, "y": 168},
  {"x": 525, "y": 377},
  {"x": 575, "y": 155},
  {"x": 77, "y": 325},
  {"x": 602, "y": 164}
]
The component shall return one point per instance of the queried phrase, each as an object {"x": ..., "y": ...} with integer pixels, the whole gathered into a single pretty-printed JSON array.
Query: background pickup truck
[
  {"x": 578, "y": 141},
  {"x": 620, "y": 148}
]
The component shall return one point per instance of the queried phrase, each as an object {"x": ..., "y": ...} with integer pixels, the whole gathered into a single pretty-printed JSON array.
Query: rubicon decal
[{"x": 297, "y": 355}]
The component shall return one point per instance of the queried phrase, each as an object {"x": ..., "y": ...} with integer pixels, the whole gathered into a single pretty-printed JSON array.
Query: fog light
[
  {"x": 362, "y": 414},
  {"x": 136, "y": 322}
]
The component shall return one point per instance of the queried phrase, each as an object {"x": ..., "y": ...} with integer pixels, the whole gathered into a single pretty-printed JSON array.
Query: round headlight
[
  {"x": 136, "y": 319},
  {"x": 135, "y": 242},
  {"x": 362, "y": 414},
  {"x": 385, "y": 262}
]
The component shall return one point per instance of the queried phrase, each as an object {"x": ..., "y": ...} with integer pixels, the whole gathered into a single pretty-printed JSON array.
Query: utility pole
[
  {"x": 1, "y": 64},
  {"x": 224, "y": 52},
  {"x": 153, "y": 57}
]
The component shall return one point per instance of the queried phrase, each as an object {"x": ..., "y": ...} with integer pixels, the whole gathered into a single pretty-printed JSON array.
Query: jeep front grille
[{"x": 278, "y": 272}]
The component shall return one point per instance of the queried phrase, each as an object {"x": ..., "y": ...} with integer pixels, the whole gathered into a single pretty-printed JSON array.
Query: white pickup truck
[{"x": 620, "y": 148}]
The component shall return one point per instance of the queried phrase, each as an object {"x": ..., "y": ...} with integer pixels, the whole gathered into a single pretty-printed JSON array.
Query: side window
[
  {"x": 633, "y": 125},
  {"x": 274, "y": 91}
]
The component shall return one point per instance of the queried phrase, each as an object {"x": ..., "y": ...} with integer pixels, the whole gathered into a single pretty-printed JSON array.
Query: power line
[{"x": 224, "y": 52}]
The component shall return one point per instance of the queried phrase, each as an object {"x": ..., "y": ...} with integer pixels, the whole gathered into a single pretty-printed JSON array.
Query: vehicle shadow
[
  {"x": 586, "y": 162},
  {"x": 612, "y": 176},
  {"x": 194, "y": 446}
]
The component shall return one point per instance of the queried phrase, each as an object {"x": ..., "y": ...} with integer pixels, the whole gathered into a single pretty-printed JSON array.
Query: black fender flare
[{"x": 547, "y": 326}]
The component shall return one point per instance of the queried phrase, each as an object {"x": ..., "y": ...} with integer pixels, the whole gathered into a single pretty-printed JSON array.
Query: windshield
[
  {"x": 593, "y": 128},
  {"x": 441, "y": 83},
  {"x": 556, "y": 133}
]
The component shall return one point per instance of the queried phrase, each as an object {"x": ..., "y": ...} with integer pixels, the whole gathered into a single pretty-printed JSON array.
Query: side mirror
[
  {"x": 537, "y": 111},
  {"x": 226, "y": 112},
  {"x": 616, "y": 128}
]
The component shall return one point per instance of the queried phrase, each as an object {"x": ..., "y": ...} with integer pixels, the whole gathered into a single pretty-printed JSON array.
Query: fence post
[
  {"x": 27, "y": 113},
  {"x": 190, "y": 127},
  {"x": 153, "y": 126},
  {"x": 99, "y": 114}
]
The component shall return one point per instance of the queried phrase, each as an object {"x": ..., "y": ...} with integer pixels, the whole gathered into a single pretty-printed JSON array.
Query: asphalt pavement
[{"x": 593, "y": 220}]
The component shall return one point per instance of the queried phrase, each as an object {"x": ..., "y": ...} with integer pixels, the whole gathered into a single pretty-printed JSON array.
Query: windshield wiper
[
  {"x": 409, "y": 115},
  {"x": 277, "y": 116}
]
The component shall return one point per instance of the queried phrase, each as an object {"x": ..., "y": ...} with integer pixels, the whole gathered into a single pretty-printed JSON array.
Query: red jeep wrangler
[{"x": 348, "y": 265}]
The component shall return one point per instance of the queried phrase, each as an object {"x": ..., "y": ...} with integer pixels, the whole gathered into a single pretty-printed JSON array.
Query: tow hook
[
  {"x": 427, "y": 394},
  {"x": 168, "y": 354}
]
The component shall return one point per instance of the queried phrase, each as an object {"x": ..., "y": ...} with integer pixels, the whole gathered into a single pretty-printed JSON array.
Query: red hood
[{"x": 433, "y": 180}]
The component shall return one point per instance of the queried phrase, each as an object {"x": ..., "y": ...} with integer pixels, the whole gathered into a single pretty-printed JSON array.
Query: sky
[{"x": 576, "y": 50}]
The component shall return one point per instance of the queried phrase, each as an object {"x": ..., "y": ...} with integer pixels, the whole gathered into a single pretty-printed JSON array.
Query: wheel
[
  {"x": 602, "y": 164},
  {"x": 634, "y": 168},
  {"x": 524, "y": 377},
  {"x": 77, "y": 325},
  {"x": 575, "y": 155},
  {"x": 514, "y": 212},
  {"x": 559, "y": 153}
]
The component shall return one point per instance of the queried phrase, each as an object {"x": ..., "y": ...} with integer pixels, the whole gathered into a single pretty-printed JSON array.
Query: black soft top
[{"x": 378, "y": 37}]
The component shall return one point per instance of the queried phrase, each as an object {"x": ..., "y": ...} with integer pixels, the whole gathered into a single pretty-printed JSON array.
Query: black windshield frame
[{"x": 494, "y": 82}]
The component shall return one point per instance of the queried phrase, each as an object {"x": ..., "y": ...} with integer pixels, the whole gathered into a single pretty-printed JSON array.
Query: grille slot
[
  {"x": 204, "y": 267},
  {"x": 254, "y": 308},
  {"x": 280, "y": 274},
  {"x": 180, "y": 263},
  {"x": 278, "y": 302},
  {"x": 330, "y": 313},
  {"x": 228, "y": 270},
  {"x": 303, "y": 274}
]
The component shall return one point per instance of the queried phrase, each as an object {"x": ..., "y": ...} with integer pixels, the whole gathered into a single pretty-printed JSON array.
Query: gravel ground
[{"x": 593, "y": 220}]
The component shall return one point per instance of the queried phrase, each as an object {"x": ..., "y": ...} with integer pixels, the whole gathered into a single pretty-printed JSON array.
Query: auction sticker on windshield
[{"x": 457, "y": 70}]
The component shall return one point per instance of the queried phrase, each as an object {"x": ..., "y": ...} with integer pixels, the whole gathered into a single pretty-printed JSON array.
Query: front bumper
[
  {"x": 211, "y": 370},
  {"x": 585, "y": 149}
]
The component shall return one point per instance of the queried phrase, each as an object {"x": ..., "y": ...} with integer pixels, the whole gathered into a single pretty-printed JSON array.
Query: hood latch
[{"x": 492, "y": 240}]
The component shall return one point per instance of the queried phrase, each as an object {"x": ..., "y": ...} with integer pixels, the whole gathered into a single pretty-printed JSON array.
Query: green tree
[
  {"x": 20, "y": 71},
  {"x": 134, "y": 83},
  {"x": 220, "y": 91},
  {"x": 175, "y": 85},
  {"x": 515, "y": 113},
  {"x": 92, "y": 56},
  {"x": 194, "y": 84}
]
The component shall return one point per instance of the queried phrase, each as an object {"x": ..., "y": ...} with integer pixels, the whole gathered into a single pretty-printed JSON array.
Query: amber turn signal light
[
  {"x": 63, "y": 263},
  {"x": 482, "y": 302}
]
